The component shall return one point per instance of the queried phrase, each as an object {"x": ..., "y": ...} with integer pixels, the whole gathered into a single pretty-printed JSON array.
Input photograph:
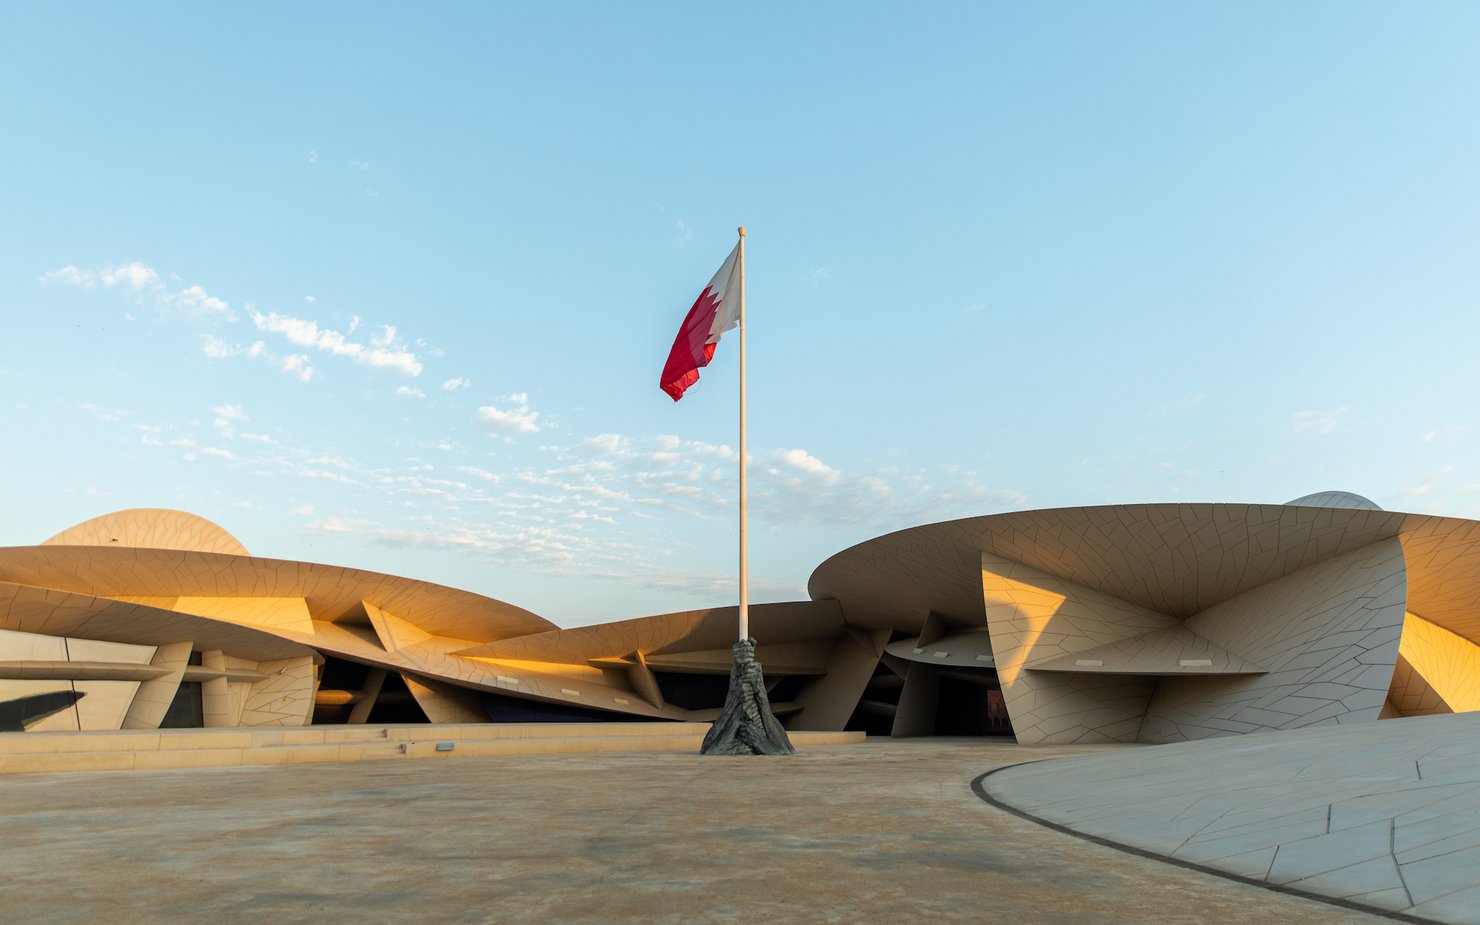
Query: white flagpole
[{"x": 744, "y": 565}]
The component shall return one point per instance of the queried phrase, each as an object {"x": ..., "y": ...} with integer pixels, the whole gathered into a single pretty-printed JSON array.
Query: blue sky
[{"x": 391, "y": 287}]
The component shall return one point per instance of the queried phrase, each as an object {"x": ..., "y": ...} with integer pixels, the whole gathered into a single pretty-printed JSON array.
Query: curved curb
[{"x": 980, "y": 790}]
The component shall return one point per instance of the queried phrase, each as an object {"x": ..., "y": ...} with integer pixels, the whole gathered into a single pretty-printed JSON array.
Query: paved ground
[
  {"x": 1385, "y": 814},
  {"x": 884, "y": 832}
]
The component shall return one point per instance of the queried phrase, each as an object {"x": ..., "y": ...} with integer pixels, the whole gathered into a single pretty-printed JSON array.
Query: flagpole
[{"x": 744, "y": 563}]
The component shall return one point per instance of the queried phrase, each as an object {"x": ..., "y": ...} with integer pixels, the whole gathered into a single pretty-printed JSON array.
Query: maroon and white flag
[{"x": 716, "y": 311}]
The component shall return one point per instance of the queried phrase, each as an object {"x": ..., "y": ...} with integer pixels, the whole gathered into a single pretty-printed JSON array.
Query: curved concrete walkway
[
  {"x": 887, "y": 831},
  {"x": 1384, "y": 816}
]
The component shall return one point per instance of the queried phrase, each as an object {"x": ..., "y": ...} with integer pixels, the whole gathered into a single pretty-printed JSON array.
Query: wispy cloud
[
  {"x": 133, "y": 275},
  {"x": 1185, "y": 403},
  {"x": 196, "y": 299},
  {"x": 383, "y": 351},
  {"x": 70, "y": 276},
  {"x": 146, "y": 281},
  {"x": 294, "y": 364},
  {"x": 514, "y": 418},
  {"x": 456, "y": 384},
  {"x": 226, "y": 418},
  {"x": 410, "y": 392},
  {"x": 1315, "y": 422}
]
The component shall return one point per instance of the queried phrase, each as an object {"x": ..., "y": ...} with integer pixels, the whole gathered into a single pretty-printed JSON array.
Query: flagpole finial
[{"x": 742, "y": 231}]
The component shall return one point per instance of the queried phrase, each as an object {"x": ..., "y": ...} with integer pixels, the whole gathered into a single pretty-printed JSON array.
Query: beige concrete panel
[
  {"x": 1443, "y": 556},
  {"x": 32, "y": 647},
  {"x": 786, "y": 658},
  {"x": 672, "y": 633},
  {"x": 577, "y": 685},
  {"x": 369, "y": 693},
  {"x": 1327, "y": 636},
  {"x": 897, "y": 581},
  {"x": 1176, "y": 559},
  {"x": 1447, "y": 662},
  {"x": 217, "y": 708},
  {"x": 1410, "y": 694},
  {"x": 969, "y": 649},
  {"x": 1171, "y": 651},
  {"x": 915, "y": 715},
  {"x": 935, "y": 627},
  {"x": 153, "y": 698},
  {"x": 61, "y": 721},
  {"x": 99, "y": 650},
  {"x": 445, "y": 703},
  {"x": 433, "y": 657},
  {"x": 267, "y": 613},
  {"x": 1037, "y": 617},
  {"x": 829, "y": 701},
  {"x": 642, "y": 680},
  {"x": 153, "y": 528},
  {"x": 104, "y": 703},
  {"x": 285, "y": 697},
  {"x": 332, "y": 593},
  {"x": 393, "y": 632},
  {"x": 46, "y": 611},
  {"x": 80, "y": 671},
  {"x": 1082, "y": 709}
]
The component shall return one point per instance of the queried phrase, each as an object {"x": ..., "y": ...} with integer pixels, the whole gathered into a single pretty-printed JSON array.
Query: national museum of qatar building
[{"x": 1128, "y": 623}]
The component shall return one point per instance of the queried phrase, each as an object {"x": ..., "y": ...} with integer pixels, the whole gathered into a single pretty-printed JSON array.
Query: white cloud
[
  {"x": 409, "y": 391},
  {"x": 216, "y": 348},
  {"x": 803, "y": 461},
  {"x": 133, "y": 275},
  {"x": 226, "y": 418},
  {"x": 310, "y": 299},
  {"x": 610, "y": 443},
  {"x": 383, "y": 353},
  {"x": 294, "y": 364},
  {"x": 196, "y": 299},
  {"x": 483, "y": 474},
  {"x": 516, "y": 419},
  {"x": 1315, "y": 422},
  {"x": 70, "y": 276},
  {"x": 1431, "y": 480},
  {"x": 326, "y": 476},
  {"x": 304, "y": 510},
  {"x": 218, "y": 452},
  {"x": 456, "y": 384}
]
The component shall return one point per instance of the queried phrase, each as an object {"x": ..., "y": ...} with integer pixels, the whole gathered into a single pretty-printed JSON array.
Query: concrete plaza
[{"x": 885, "y": 831}]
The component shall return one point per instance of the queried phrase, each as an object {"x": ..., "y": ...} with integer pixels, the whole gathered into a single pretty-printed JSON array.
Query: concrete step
[
  {"x": 202, "y": 748},
  {"x": 23, "y": 743}
]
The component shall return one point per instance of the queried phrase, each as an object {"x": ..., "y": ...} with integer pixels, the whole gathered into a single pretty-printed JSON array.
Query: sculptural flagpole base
[{"x": 745, "y": 726}]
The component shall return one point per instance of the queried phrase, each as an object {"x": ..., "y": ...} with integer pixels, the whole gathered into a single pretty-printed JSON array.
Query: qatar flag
[{"x": 716, "y": 311}]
